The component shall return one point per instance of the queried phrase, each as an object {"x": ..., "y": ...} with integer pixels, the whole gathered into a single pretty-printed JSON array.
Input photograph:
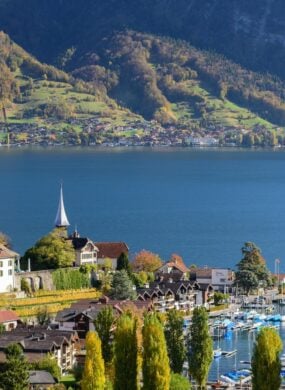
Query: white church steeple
[{"x": 61, "y": 218}]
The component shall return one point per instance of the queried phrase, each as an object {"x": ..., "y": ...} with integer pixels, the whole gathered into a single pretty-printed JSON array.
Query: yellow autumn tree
[{"x": 94, "y": 371}]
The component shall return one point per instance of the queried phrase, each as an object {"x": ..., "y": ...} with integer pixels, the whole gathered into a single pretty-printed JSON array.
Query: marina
[{"x": 234, "y": 336}]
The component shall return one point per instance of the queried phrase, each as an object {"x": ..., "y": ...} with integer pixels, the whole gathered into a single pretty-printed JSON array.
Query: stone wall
[{"x": 36, "y": 279}]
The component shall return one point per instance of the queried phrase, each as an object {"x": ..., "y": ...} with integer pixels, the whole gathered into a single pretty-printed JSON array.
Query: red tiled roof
[
  {"x": 6, "y": 253},
  {"x": 111, "y": 250},
  {"x": 178, "y": 265},
  {"x": 8, "y": 315}
]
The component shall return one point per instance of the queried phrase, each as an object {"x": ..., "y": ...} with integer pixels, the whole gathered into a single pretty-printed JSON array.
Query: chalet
[
  {"x": 9, "y": 319},
  {"x": 38, "y": 342},
  {"x": 81, "y": 315},
  {"x": 174, "y": 270},
  {"x": 167, "y": 295},
  {"x": 111, "y": 251},
  {"x": 8, "y": 260}
]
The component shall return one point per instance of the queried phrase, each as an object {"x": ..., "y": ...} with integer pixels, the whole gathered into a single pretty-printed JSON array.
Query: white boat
[{"x": 217, "y": 353}]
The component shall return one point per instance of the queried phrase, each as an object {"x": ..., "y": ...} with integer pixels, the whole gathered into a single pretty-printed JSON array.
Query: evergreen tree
[
  {"x": 103, "y": 325},
  {"x": 201, "y": 347},
  {"x": 123, "y": 263},
  {"x": 126, "y": 354},
  {"x": 252, "y": 269},
  {"x": 156, "y": 369},
  {"x": 122, "y": 286},
  {"x": 266, "y": 365},
  {"x": 175, "y": 340},
  {"x": 94, "y": 371},
  {"x": 16, "y": 371}
]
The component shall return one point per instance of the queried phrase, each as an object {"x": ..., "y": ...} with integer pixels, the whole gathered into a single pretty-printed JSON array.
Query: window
[
  {"x": 10, "y": 272},
  {"x": 1, "y": 264},
  {"x": 1, "y": 273},
  {"x": 10, "y": 263}
]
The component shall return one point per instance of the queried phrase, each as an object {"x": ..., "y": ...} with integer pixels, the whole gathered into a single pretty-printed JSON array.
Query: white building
[{"x": 7, "y": 268}]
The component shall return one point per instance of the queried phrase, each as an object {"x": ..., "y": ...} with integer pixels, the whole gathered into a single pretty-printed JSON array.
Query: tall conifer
[
  {"x": 126, "y": 354},
  {"x": 156, "y": 369},
  {"x": 201, "y": 347},
  {"x": 175, "y": 340},
  {"x": 94, "y": 371},
  {"x": 266, "y": 365}
]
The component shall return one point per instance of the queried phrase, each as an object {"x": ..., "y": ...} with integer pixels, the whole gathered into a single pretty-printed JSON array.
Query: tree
[
  {"x": 49, "y": 363},
  {"x": 201, "y": 347},
  {"x": 122, "y": 287},
  {"x": 179, "y": 382},
  {"x": 175, "y": 340},
  {"x": 146, "y": 261},
  {"x": 16, "y": 371},
  {"x": 123, "y": 263},
  {"x": 42, "y": 315},
  {"x": 51, "y": 251},
  {"x": 219, "y": 297},
  {"x": 156, "y": 369},
  {"x": 252, "y": 270},
  {"x": 5, "y": 240},
  {"x": 266, "y": 365},
  {"x": 94, "y": 371},
  {"x": 126, "y": 354},
  {"x": 103, "y": 325}
]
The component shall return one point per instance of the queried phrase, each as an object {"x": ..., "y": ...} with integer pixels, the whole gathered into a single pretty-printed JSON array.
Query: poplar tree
[
  {"x": 103, "y": 325},
  {"x": 94, "y": 371},
  {"x": 156, "y": 369},
  {"x": 175, "y": 340},
  {"x": 126, "y": 354},
  {"x": 201, "y": 347},
  {"x": 266, "y": 365}
]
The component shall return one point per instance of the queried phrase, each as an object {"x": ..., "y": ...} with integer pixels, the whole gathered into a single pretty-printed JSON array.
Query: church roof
[{"x": 61, "y": 218}]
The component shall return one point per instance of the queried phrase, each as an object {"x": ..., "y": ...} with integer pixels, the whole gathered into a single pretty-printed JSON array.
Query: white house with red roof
[
  {"x": 9, "y": 319},
  {"x": 7, "y": 268}
]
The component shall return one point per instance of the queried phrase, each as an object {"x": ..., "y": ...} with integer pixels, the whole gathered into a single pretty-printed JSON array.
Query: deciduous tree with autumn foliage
[{"x": 146, "y": 261}]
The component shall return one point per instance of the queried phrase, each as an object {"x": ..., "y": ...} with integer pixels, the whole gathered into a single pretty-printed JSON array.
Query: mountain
[
  {"x": 147, "y": 56},
  {"x": 250, "y": 32}
]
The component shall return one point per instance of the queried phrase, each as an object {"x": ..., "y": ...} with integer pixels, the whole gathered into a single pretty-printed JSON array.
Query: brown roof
[
  {"x": 178, "y": 265},
  {"x": 111, "y": 250},
  {"x": 8, "y": 315},
  {"x": 6, "y": 253}
]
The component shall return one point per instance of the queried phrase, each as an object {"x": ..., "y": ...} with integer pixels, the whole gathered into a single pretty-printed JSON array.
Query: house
[
  {"x": 173, "y": 269},
  {"x": 81, "y": 315},
  {"x": 85, "y": 250},
  {"x": 7, "y": 268},
  {"x": 111, "y": 251},
  {"x": 167, "y": 295},
  {"x": 9, "y": 319},
  {"x": 39, "y": 342},
  {"x": 40, "y": 380},
  {"x": 220, "y": 278}
]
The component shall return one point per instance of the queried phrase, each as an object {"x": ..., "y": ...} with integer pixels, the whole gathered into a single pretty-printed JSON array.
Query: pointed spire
[{"x": 61, "y": 218}]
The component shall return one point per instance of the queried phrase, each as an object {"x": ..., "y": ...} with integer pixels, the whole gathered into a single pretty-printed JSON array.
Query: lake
[{"x": 201, "y": 204}]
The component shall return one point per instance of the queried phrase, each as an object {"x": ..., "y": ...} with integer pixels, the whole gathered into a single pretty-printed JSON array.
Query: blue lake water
[{"x": 200, "y": 204}]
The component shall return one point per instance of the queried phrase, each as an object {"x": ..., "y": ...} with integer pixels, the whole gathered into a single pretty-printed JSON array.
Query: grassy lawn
[{"x": 68, "y": 381}]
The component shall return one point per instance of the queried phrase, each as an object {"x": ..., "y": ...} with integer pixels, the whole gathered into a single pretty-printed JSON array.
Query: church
[{"x": 86, "y": 250}]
